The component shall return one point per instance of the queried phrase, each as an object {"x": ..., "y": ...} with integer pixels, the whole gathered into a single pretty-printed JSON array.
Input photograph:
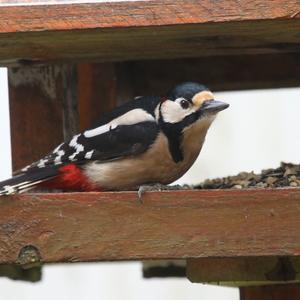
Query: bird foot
[{"x": 158, "y": 188}]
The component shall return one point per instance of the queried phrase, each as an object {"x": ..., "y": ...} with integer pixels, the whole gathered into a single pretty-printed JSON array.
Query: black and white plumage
[{"x": 145, "y": 141}]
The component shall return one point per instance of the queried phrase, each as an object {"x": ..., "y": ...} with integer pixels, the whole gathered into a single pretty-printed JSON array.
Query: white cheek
[{"x": 172, "y": 112}]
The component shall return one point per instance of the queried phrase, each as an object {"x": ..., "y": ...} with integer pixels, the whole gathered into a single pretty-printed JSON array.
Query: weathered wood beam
[
  {"x": 75, "y": 227},
  {"x": 275, "y": 292},
  {"x": 40, "y": 99},
  {"x": 66, "y": 16},
  {"x": 133, "y": 30},
  {"x": 97, "y": 91},
  {"x": 218, "y": 72},
  {"x": 244, "y": 271}
]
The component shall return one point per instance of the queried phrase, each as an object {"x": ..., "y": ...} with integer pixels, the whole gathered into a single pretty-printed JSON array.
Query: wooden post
[
  {"x": 244, "y": 271},
  {"x": 40, "y": 102},
  {"x": 272, "y": 292},
  {"x": 96, "y": 91},
  {"x": 220, "y": 73}
]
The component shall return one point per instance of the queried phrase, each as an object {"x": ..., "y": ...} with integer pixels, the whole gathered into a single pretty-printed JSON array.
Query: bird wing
[
  {"x": 116, "y": 143},
  {"x": 111, "y": 141},
  {"x": 127, "y": 130}
]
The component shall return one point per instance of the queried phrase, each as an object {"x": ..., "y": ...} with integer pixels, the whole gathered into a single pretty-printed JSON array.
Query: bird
[{"x": 149, "y": 140}]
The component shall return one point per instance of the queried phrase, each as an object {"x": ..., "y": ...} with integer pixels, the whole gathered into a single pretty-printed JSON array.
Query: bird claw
[{"x": 158, "y": 188}]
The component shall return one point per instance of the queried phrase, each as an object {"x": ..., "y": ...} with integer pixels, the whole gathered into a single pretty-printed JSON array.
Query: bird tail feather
[{"x": 26, "y": 181}]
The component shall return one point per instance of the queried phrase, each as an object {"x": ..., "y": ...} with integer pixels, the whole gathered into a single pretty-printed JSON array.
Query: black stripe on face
[
  {"x": 173, "y": 132},
  {"x": 190, "y": 119}
]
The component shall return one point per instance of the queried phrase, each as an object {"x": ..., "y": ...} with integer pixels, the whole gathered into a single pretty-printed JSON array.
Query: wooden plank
[
  {"x": 218, "y": 72},
  {"x": 97, "y": 91},
  {"x": 245, "y": 271},
  {"x": 278, "y": 292},
  {"x": 37, "y": 98},
  {"x": 131, "y": 30},
  {"x": 140, "y": 13},
  {"x": 35, "y": 113},
  {"x": 75, "y": 227}
]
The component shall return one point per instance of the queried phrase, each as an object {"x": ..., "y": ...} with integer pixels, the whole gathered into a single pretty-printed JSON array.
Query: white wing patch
[
  {"x": 25, "y": 168},
  {"x": 60, "y": 154},
  {"x": 73, "y": 143},
  {"x": 97, "y": 131},
  {"x": 78, "y": 147},
  {"x": 57, "y": 148},
  {"x": 89, "y": 154},
  {"x": 41, "y": 163},
  {"x": 134, "y": 116}
]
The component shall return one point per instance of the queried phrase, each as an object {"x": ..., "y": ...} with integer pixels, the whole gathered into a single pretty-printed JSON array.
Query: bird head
[
  {"x": 187, "y": 104},
  {"x": 185, "y": 115}
]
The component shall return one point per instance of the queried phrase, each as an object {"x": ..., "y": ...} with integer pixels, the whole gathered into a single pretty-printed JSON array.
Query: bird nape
[{"x": 149, "y": 140}]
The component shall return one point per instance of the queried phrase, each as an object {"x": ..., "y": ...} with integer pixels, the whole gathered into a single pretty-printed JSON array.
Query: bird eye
[{"x": 184, "y": 104}]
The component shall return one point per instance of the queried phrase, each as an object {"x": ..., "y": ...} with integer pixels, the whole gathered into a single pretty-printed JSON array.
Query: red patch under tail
[{"x": 71, "y": 178}]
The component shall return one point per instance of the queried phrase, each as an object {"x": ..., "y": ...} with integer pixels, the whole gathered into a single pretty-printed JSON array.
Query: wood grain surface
[
  {"x": 141, "y": 13},
  {"x": 244, "y": 271},
  {"x": 219, "y": 73},
  {"x": 132, "y": 30},
  {"x": 97, "y": 92},
  {"x": 275, "y": 292},
  {"x": 167, "y": 225},
  {"x": 36, "y": 112}
]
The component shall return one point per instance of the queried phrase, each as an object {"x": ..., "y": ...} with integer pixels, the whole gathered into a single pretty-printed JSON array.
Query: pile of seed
[{"x": 286, "y": 175}]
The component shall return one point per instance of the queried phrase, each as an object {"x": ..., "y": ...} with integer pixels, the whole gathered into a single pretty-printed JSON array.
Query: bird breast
[{"x": 153, "y": 166}]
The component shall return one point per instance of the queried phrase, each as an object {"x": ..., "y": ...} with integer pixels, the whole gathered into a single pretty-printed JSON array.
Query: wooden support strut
[
  {"x": 220, "y": 73},
  {"x": 134, "y": 30},
  {"x": 73, "y": 227},
  {"x": 124, "y": 14},
  {"x": 40, "y": 100},
  {"x": 97, "y": 91},
  {"x": 244, "y": 271},
  {"x": 274, "y": 292}
]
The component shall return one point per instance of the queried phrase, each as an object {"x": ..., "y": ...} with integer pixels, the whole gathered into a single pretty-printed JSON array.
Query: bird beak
[{"x": 213, "y": 106}]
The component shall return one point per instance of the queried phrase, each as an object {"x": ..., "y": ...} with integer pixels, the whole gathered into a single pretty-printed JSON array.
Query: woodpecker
[{"x": 146, "y": 141}]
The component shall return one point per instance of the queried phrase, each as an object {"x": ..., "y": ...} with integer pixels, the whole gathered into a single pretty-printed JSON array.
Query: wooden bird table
[{"x": 70, "y": 61}]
